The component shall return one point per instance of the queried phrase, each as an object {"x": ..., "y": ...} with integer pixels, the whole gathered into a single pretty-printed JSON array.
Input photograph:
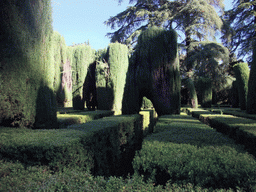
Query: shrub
[
  {"x": 154, "y": 73},
  {"x": 242, "y": 76},
  {"x": 204, "y": 86},
  {"x": 183, "y": 151},
  {"x": 111, "y": 76},
  {"x": 26, "y": 63}
]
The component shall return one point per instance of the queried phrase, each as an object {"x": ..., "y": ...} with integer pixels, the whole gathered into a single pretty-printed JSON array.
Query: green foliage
[
  {"x": 79, "y": 117},
  {"x": 183, "y": 150},
  {"x": 240, "y": 33},
  {"x": 79, "y": 145},
  {"x": 111, "y": 76},
  {"x": 198, "y": 17},
  {"x": 192, "y": 93},
  {"x": 204, "y": 87},
  {"x": 242, "y": 73},
  {"x": 154, "y": 73},
  {"x": 82, "y": 56},
  {"x": 26, "y": 61},
  {"x": 40, "y": 178},
  {"x": 146, "y": 103},
  {"x": 251, "y": 101}
]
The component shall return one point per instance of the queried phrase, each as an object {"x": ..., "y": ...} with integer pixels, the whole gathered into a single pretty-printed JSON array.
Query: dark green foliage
[
  {"x": 192, "y": 93},
  {"x": 110, "y": 77},
  {"x": 204, "y": 87},
  {"x": 89, "y": 88},
  {"x": 82, "y": 56},
  {"x": 251, "y": 98},
  {"x": 40, "y": 178},
  {"x": 242, "y": 73},
  {"x": 154, "y": 73},
  {"x": 235, "y": 94},
  {"x": 239, "y": 128},
  {"x": 184, "y": 150},
  {"x": 63, "y": 74},
  {"x": 104, "y": 146},
  {"x": 26, "y": 61},
  {"x": 146, "y": 103}
]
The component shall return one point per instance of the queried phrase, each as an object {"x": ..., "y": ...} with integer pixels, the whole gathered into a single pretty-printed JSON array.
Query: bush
[
  {"x": 27, "y": 63},
  {"x": 183, "y": 151},
  {"x": 204, "y": 86},
  {"x": 111, "y": 76},
  {"x": 242, "y": 76}
]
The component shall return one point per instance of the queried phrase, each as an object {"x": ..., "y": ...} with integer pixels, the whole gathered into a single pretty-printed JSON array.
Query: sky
[{"x": 81, "y": 20}]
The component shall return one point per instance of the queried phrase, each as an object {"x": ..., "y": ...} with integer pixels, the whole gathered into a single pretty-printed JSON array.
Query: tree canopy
[
  {"x": 239, "y": 28},
  {"x": 196, "y": 19}
]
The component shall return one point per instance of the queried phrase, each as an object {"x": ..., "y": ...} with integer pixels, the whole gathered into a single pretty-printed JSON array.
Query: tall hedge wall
[
  {"x": 192, "y": 93},
  {"x": 26, "y": 64},
  {"x": 251, "y": 98},
  {"x": 83, "y": 55},
  {"x": 204, "y": 86},
  {"x": 154, "y": 73},
  {"x": 111, "y": 76},
  {"x": 242, "y": 73}
]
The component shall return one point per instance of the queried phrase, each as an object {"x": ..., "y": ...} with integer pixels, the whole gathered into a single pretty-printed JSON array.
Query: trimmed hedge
[
  {"x": 242, "y": 73},
  {"x": 183, "y": 150},
  {"x": 40, "y": 178},
  {"x": 26, "y": 64},
  {"x": 83, "y": 55},
  {"x": 192, "y": 93},
  {"x": 154, "y": 73},
  {"x": 149, "y": 120},
  {"x": 241, "y": 129},
  {"x": 104, "y": 146},
  {"x": 251, "y": 100},
  {"x": 65, "y": 120},
  {"x": 111, "y": 76},
  {"x": 204, "y": 86}
]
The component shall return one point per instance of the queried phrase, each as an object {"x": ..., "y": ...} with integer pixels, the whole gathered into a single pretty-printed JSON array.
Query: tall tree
[
  {"x": 239, "y": 30},
  {"x": 196, "y": 19}
]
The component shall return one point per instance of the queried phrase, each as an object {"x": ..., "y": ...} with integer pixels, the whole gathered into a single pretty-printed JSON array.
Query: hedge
[
  {"x": 183, "y": 150},
  {"x": 26, "y": 69},
  {"x": 241, "y": 129},
  {"x": 154, "y": 73},
  {"x": 242, "y": 73},
  {"x": 111, "y": 76},
  {"x": 104, "y": 146}
]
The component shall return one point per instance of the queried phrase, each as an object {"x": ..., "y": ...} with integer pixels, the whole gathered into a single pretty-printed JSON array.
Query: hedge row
[
  {"x": 241, "y": 129},
  {"x": 104, "y": 147},
  {"x": 80, "y": 117},
  {"x": 183, "y": 150},
  {"x": 41, "y": 179}
]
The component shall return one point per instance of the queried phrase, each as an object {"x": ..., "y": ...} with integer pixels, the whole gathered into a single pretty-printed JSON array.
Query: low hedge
[
  {"x": 241, "y": 129},
  {"x": 149, "y": 120},
  {"x": 239, "y": 113},
  {"x": 14, "y": 177},
  {"x": 183, "y": 150},
  {"x": 98, "y": 146},
  {"x": 74, "y": 117}
]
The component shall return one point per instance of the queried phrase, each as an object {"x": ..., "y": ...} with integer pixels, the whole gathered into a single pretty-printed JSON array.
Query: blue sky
[{"x": 81, "y": 20}]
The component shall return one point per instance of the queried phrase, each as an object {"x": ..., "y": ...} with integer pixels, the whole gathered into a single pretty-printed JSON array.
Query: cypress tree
[
  {"x": 192, "y": 93},
  {"x": 205, "y": 90},
  {"x": 154, "y": 73},
  {"x": 251, "y": 99},
  {"x": 111, "y": 76},
  {"x": 83, "y": 56},
  {"x": 26, "y": 70},
  {"x": 235, "y": 95},
  {"x": 242, "y": 76}
]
